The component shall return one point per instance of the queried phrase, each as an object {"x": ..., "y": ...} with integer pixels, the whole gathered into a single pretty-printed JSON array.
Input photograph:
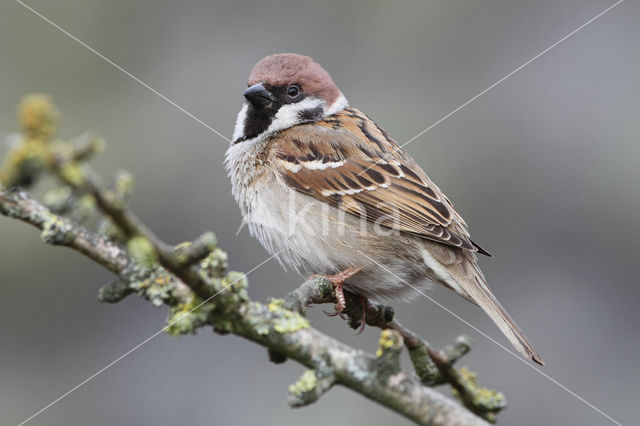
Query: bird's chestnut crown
[{"x": 284, "y": 90}]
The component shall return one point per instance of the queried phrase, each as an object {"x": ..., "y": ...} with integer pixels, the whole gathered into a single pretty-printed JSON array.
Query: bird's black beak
[{"x": 259, "y": 96}]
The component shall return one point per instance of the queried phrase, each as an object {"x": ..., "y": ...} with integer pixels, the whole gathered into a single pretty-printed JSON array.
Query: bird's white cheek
[
  {"x": 238, "y": 130},
  {"x": 289, "y": 115},
  {"x": 338, "y": 105}
]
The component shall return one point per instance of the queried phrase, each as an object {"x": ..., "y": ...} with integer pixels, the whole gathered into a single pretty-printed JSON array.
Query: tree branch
[
  {"x": 433, "y": 367},
  {"x": 270, "y": 325},
  {"x": 192, "y": 280}
]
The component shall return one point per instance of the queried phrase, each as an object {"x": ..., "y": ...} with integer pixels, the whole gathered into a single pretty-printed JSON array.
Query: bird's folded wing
[{"x": 350, "y": 163}]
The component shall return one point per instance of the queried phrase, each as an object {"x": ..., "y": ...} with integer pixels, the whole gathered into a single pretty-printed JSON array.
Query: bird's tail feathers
[{"x": 478, "y": 290}]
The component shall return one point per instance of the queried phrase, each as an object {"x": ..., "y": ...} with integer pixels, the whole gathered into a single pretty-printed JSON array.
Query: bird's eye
[{"x": 293, "y": 91}]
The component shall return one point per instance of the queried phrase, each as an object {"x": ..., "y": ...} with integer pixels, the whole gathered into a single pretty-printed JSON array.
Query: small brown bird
[{"x": 328, "y": 191}]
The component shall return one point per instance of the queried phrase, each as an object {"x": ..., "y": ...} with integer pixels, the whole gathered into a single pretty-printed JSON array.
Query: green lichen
[
  {"x": 142, "y": 251},
  {"x": 183, "y": 246},
  {"x": 203, "y": 247},
  {"x": 284, "y": 320},
  {"x": 259, "y": 318},
  {"x": 390, "y": 345},
  {"x": 424, "y": 366},
  {"x": 215, "y": 263},
  {"x": 232, "y": 298},
  {"x": 306, "y": 383},
  {"x": 209, "y": 240},
  {"x": 159, "y": 290},
  {"x": 275, "y": 304},
  {"x": 186, "y": 318},
  {"x": 388, "y": 340},
  {"x": 261, "y": 327},
  {"x": 180, "y": 251},
  {"x": 35, "y": 151},
  {"x": 38, "y": 116},
  {"x": 55, "y": 231},
  {"x": 237, "y": 281},
  {"x": 23, "y": 163},
  {"x": 487, "y": 401},
  {"x": 325, "y": 286},
  {"x": 155, "y": 284},
  {"x": 114, "y": 292},
  {"x": 10, "y": 209},
  {"x": 72, "y": 174}
]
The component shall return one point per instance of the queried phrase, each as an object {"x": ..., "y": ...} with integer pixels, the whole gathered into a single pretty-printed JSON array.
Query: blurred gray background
[{"x": 544, "y": 167}]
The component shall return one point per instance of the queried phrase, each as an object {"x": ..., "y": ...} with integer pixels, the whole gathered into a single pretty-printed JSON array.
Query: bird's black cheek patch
[
  {"x": 257, "y": 121},
  {"x": 311, "y": 114}
]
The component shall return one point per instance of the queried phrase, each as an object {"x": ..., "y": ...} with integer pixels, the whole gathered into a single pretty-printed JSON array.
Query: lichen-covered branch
[
  {"x": 433, "y": 367},
  {"x": 192, "y": 280},
  {"x": 271, "y": 325}
]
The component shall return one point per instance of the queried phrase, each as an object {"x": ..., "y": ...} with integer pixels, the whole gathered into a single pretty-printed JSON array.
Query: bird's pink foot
[
  {"x": 338, "y": 280},
  {"x": 363, "y": 303},
  {"x": 336, "y": 313}
]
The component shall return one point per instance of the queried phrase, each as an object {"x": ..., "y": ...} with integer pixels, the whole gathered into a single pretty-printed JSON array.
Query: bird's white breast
[
  {"x": 252, "y": 183},
  {"x": 308, "y": 235}
]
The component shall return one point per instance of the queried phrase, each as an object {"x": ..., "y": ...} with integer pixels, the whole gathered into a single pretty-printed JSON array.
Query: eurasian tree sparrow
[{"x": 328, "y": 190}]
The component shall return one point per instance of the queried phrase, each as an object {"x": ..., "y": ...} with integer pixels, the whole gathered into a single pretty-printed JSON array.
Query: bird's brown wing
[{"x": 349, "y": 162}]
